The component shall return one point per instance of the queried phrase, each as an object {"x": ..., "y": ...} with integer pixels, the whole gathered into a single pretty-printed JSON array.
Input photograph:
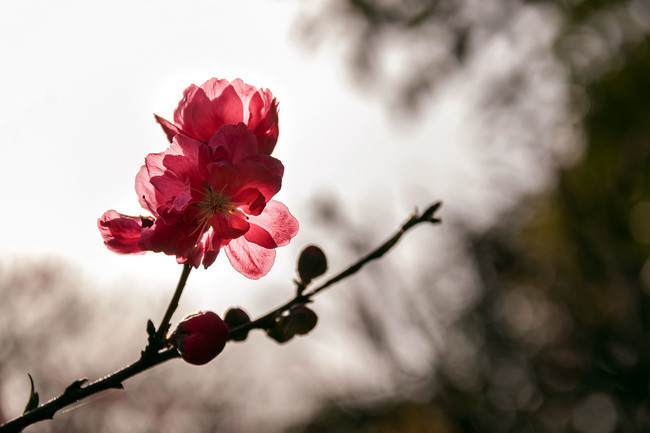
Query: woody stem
[{"x": 161, "y": 333}]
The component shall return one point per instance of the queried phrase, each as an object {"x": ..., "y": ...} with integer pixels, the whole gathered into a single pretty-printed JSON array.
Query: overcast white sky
[{"x": 80, "y": 82}]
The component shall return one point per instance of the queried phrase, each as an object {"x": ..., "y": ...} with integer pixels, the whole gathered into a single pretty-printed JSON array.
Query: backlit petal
[
  {"x": 121, "y": 233},
  {"x": 230, "y": 227},
  {"x": 148, "y": 197},
  {"x": 277, "y": 221},
  {"x": 227, "y": 109},
  {"x": 259, "y": 236},
  {"x": 249, "y": 259},
  {"x": 238, "y": 139},
  {"x": 256, "y": 175},
  {"x": 214, "y": 87},
  {"x": 204, "y": 121},
  {"x": 263, "y": 120},
  {"x": 169, "y": 128}
]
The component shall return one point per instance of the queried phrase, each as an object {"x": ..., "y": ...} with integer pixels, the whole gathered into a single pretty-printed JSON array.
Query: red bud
[{"x": 200, "y": 337}]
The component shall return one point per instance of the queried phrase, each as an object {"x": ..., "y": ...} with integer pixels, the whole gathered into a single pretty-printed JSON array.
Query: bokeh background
[{"x": 525, "y": 311}]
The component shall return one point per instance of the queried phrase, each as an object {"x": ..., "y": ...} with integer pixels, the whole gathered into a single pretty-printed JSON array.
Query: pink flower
[
  {"x": 206, "y": 108},
  {"x": 200, "y": 337},
  {"x": 205, "y": 197}
]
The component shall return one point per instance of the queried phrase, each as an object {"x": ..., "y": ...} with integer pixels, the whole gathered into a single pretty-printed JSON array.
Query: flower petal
[
  {"x": 212, "y": 246},
  {"x": 250, "y": 200},
  {"x": 273, "y": 165},
  {"x": 204, "y": 121},
  {"x": 245, "y": 92},
  {"x": 259, "y": 236},
  {"x": 182, "y": 114},
  {"x": 161, "y": 237},
  {"x": 238, "y": 139},
  {"x": 169, "y": 128},
  {"x": 186, "y": 146},
  {"x": 255, "y": 175},
  {"x": 121, "y": 233},
  {"x": 169, "y": 185},
  {"x": 222, "y": 177},
  {"x": 215, "y": 87},
  {"x": 277, "y": 221},
  {"x": 230, "y": 227},
  {"x": 263, "y": 120},
  {"x": 227, "y": 108},
  {"x": 148, "y": 197},
  {"x": 249, "y": 259}
]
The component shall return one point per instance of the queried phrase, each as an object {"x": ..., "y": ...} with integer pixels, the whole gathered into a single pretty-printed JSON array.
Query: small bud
[
  {"x": 279, "y": 331},
  {"x": 311, "y": 264},
  {"x": 200, "y": 337},
  {"x": 151, "y": 329},
  {"x": 301, "y": 319},
  {"x": 236, "y": 317}
]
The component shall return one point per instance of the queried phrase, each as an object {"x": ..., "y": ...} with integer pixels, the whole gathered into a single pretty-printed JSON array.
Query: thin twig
[
  {"x": 266, "y": 321},
  {"x": 426, "y": 216},
  {"x": 73, "y": 394},
  {"x": 173, "y": 304}
]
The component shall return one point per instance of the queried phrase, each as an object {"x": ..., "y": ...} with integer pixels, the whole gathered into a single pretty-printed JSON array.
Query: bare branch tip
[{"x": 428, "y": 215}]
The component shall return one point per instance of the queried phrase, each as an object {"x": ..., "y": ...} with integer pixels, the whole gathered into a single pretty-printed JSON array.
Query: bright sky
[{"x": 81, "y": 81}]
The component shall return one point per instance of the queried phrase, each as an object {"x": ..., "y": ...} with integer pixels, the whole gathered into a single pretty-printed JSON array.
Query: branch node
[{"x": 77, "y": 384}]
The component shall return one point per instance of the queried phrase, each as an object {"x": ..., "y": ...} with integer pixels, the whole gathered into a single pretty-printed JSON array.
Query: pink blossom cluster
[{"x": 212, "y": 188}]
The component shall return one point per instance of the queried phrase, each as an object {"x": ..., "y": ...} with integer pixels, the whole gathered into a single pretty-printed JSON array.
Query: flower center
[{"x": 215, "y": 202}]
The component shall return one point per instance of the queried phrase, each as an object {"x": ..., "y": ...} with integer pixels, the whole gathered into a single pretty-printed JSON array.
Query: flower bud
[
  {"x": 200, "y": 337},
  {"x": 311, "y": 264},
  {"x": 279, "y": 331},
  {"x": 301, "y": 319},
  {"x": 236, "y": 317}
]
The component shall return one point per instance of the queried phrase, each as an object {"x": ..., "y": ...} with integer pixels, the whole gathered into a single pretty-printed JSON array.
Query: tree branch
[
  {"x": 76, "y": 392},
  {"x": 158, "y": 351},
  {"x": 266, "y": 321}
]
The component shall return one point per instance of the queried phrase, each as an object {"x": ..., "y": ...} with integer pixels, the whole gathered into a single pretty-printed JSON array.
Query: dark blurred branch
[{"x": 267, "y": 321}]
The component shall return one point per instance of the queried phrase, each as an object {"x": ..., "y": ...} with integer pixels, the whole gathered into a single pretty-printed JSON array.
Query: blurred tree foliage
[
  {"x": 559, "y": 339},
  {"x": 406, "y": 47}
]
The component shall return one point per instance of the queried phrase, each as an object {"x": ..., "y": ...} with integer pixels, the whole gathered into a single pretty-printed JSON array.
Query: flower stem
[{"x": 161, "y": 334}]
